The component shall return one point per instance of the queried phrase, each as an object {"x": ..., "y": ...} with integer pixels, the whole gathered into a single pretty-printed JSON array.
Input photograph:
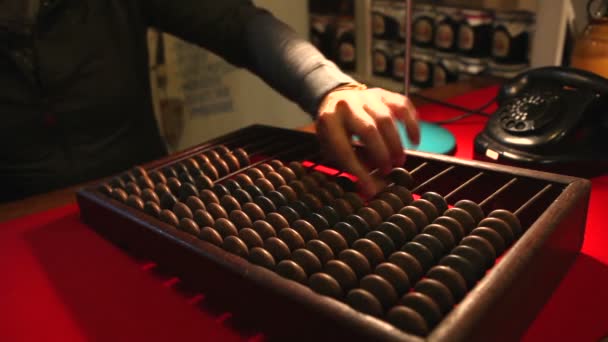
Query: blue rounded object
[{"x": 433, "y": 138}]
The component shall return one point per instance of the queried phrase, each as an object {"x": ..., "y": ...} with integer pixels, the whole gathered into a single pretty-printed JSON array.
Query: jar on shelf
[
  {"x": 591, "y": 48},
  {"x": 385, "y": 24},
  {"x": 345, "y": 44},
  {"x": 475, "y": 33},
  {"x": 422, "y": 67},
  {"x": 398, "y": 62},
  {"x": 382, "y": 58},
  {"x": 512, "y": 37},
  {"x": 446, "y": 70},
  {"x": 446, "y": 34},
  {"x": 423, "y": 25},
  {"x": 469, "y": 67}
]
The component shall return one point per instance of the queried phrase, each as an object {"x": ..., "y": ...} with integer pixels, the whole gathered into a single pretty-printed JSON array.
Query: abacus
[{"x": 449, "y": 250}]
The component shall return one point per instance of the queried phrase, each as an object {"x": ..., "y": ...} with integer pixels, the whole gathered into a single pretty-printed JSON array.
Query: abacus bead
[
  {"x": 290, "y": 270},
  {"x": 321, "y": 178},
  {"x": 186, "y": 190},
  {"x": 358, "y": 223},
  {"x": 408, "y": 320},
  {"x": 276, "y": 164},
  {"x": 330, "y": 214},
  {"x": 438, "y": 201},
  {"x": 203, "y": 218},
  {"x": 133, "y": 189},
  {"x": 356, "y": 261},
  {"x": 261, "y": 257},
  {"x": 451, "y": 279},
  {"x": 254, "y": 211},
  {"x": 253, "y": 190},
  {"x": 305, "y": 229},
  {"x": 383, "y": 241},
  {"x": 433, "y": 244},
  {"x": 221, "y": 166},
  {"x": 209, "y": 196},
  {"x": 210, "y": 171},
  {"x": 264, "y": 184},
  {"x": 462, "y": 266},
  {"x": 472, "y": 208},
  {"x": 240, "y": 219},
  {"x": 381, "y": 207},
  {"x": 167, "y": 201},
  {"x": 370, "y": 250},
  {"x": 394, "y": 275},
  {"x": 483, "y": 246},
  {"x": 401, "y": 176},
  {"x": 236, "y": 246},
  {"x": 245, "y": 179},
  {"x": 265, "y": 203},
  {"x": 253, "y": 174},
  {"x": 265, "y": 168},
  {"x": 276, "y": 179},
  {"x": 211, "y": 235},
  {"x": 310, "y": 184},
  {"x": 342, "y": 207},
  {"x": 189, "y": 226},
  {"x": 347, "y": 231},
  {"x": 370, "y": 216},
  {"x": 511, "y": 220},
  {"x": 242, "y": 156},
  {"x": 340, "y": 271},
  {"x": 201, "y": 159},
  {"x": 119, "y": 195},
  {"x": 242, "y": 196},
  {"x": 473, "y": 256},
  {"x": 195, "y": 203},
  {"x": 394, "y": 232},
  {"x": 346, "y": 183},
  {"x": 298, "y": 187},
  {"x": 169, "y": 171},
  {"x": 225, "y": 227},
  {"x": 251, "y": 238},
  {"x": 152, "y": 208},
  {"x": 230, "y": 203},
  {"x": 406, "y": 224},
  {"x": 497, "y": 242},
  {"x": 161, "y": 189},
  {"x": 277, "y": 198},
  {"x": 424, "y": 305},
  {"x": 277, "y": 248},
  {"x": 408, "y": 263},
  {"x": 168, "y": 217},
  {"x": 211, "y": 154},
  {"x": 334, "y": 189},
  {"x": 297, "y": 168},
  {"x": 288, "y": 193},
  {"x": 139, "y": 171},
  {"x": 277, "y": 221},
  {"x": 318, "y": 221},
  {"x": 365, "y": 302},
  {"x": 232, "y": 185},
  {"x": 452, "y": 225},
  {"x": 324, "y": 195},
  {"x": 393, "y": 200},
  {"x": 301, "y": 208},
  {"x": 203, "y": 182},
  {"x": 427, "y": 207},
  {"x": 354, "y": 199},
  {"x": 292, "y": 239},
  {"x": 288, "y": 213},
  {"x": 158, "y": 177},
  {"x": 220, "y": 190},
  {"x": 307, "y": 260},
  {"x": 416, "y": 215},
  {"x": 326, "y": 285},
  {"x": 501, "y": 227},
  {"x": 404, "y": 194},
  {"x": 463, "y": 217},
  {"x": 116, "y": 182},
  {"x": 264, "y": 229},
  {"x": 217, "y": 211},
  {"x": 182, "y": 210},
  {"x": 334, "y": 240},
  {"x": 442, "y": 234},
  {"x": 287, "y": 173},
  {"x": 380, "y": 288},
  {"x": 321, "y": 250},
  {"x": 232, "y": 162},
  {"x": 105, "y": 189},
  {"x": 135, "y": 202},
  {"x": 185, "y": 177},
  {"x": 312, "y": 201},
  {"x": 438, "y": 292},
  {"x": 420, "y": 252}
]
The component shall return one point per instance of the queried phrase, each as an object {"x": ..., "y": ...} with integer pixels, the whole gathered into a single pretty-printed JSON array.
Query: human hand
[{"x": 369, "y": 114}]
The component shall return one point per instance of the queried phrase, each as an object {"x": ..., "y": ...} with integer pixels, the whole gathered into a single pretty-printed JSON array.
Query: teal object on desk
[{"x": 433, "y": 138}]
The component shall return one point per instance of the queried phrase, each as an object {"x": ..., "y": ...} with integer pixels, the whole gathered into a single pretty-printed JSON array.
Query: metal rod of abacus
[
  {"x": 463, "y": 185},
  {"x": 432, "y": 179},
  {"x": 418, "y": 168},
  {"x": 497, "y": 192},
  {"x": 533, "y": 199}
]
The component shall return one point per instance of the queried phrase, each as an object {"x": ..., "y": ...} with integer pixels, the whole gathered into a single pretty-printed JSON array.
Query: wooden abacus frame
[{"x": 499, "y": 307}]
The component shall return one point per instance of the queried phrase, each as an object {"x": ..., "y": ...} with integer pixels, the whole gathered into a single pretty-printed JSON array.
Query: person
[{"x": 75, "y": 96}]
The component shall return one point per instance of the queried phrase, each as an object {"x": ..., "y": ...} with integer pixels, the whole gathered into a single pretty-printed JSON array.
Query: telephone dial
[{"x": 550, "y": 118}]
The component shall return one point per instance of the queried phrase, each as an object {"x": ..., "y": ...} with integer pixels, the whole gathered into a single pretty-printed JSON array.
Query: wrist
[{"x": 342, "y": 87}]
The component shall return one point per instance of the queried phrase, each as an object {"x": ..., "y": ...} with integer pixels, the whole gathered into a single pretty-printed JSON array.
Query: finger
[
  {"x": 404, "y": 110},
  {"x": 362, "y": 124},
  {"x": 335, "y": 138},
  {"x": 388, "y": 130}
]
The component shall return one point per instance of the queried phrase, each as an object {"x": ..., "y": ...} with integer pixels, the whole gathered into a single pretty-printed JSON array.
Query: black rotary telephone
[{"x": 550, "y": 118}]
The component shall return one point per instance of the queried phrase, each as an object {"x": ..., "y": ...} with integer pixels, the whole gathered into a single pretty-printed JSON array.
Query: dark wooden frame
[{"x": 499, "y": 307}]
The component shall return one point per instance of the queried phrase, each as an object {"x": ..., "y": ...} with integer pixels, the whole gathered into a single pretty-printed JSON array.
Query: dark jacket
[{"x": 75, "y": 96}]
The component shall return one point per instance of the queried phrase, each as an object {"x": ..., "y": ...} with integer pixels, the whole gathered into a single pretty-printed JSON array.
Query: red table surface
[{"x": 62, "y": 281}]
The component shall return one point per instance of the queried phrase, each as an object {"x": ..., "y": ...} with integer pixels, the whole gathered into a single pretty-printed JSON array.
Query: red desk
[{"x": 61, "y": 281}]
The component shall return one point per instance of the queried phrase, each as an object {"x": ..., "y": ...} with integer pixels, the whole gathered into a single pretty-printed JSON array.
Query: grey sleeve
[{"x": 250, "y": 37}]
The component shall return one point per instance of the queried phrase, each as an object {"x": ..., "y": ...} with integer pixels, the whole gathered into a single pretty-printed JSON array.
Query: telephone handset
[{"x": 550, "y": 116}]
